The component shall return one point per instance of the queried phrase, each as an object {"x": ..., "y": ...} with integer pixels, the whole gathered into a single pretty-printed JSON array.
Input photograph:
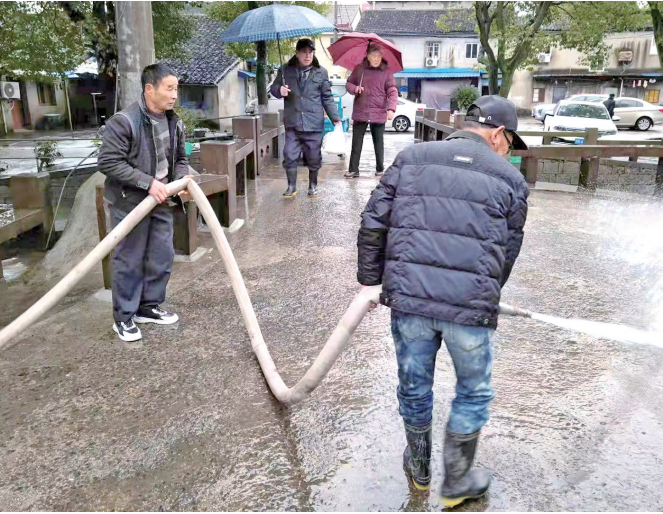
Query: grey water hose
[{"x": 322, "y": 364}]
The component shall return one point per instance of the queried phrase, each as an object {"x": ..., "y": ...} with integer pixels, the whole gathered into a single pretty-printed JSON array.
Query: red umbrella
[{"x": 350, "y": 51}]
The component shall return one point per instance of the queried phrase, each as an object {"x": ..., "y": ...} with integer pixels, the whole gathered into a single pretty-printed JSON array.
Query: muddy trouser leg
[
  {"x": 128, "y": 263},
  {"x": 471, "y": 349},
  {"x": 159, "y": 256},
  {"x": 377, "y": 132},
  {"x": 291, "y": 152},
  {"x": 358, "y": 131},
  {"x": 417, "y": 341}
]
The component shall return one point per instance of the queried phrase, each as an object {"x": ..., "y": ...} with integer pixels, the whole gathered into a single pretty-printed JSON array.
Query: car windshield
[{"x": 584, "y": 111}]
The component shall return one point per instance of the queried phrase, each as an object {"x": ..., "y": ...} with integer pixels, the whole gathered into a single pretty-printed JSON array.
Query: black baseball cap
[
  {"x": 305, "y": 43},
  {"x": 496, "y": 111}
]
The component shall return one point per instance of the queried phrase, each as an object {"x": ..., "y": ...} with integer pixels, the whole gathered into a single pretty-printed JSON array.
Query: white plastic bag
[{"x": 334, "y": 142}]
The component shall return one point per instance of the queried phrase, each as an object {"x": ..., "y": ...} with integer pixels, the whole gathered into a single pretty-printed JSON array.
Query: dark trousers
[
  {"x": 377, "y": 132},
  {"x": 142, "y": 262},
  {"x": 308, "y": 143}
]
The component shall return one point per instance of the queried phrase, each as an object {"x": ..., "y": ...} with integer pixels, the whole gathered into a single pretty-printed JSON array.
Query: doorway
[{"x": 559, "y": 93}]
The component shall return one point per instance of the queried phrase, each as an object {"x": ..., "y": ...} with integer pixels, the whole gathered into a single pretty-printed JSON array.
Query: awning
[
  {"x": 245, "y": 74},
  {"x": 437, "y": 73}
]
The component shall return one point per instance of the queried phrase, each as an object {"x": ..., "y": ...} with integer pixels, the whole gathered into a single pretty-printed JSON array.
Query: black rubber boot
[
  {"x": 460, "y": 482},
  {"x": 416, "y": 457},
  {"x": 313, "y": 183},
  {"x": 350, "y": 174},
  {"x": 292, "y": 184}
]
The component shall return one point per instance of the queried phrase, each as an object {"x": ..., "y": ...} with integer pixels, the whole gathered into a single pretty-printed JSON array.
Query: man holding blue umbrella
[{"x": 305, "y": 88}]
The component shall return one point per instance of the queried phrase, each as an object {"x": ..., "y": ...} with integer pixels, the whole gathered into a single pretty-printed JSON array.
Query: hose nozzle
[{"x": 510, "y": 310}]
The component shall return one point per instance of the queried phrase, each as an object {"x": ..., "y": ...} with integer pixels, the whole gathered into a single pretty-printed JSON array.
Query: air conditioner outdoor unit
[
  {"x": 544, "y": 58},
  {"x": 431, "y": 62},
  {"x": 9, "y": 91},
  {"x": 625, "y": 56}
]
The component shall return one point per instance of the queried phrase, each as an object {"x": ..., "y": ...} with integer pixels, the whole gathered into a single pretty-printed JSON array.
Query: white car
[
  {"x": 573, "y": 116},
  {"x": 633, "y": 112}
]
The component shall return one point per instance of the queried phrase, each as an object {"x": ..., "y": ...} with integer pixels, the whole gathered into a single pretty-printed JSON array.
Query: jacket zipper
[{"x": 156, "y": 152}]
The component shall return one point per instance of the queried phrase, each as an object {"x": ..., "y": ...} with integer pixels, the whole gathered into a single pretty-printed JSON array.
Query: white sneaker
[
  {"x": 127, "y": 331},
  {"x": 155, "y": 315}
]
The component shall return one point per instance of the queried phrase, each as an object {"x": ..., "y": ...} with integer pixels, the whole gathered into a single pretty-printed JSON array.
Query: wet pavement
[{"x": 184, "y": 421}]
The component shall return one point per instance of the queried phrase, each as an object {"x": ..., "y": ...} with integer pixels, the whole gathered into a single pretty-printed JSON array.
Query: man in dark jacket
[
  {"x": 441, "y": 233},
  {"x": 304, "y": 85},
  {"x": 143, "y": 150},
  {"x": 610, "y": 104}
]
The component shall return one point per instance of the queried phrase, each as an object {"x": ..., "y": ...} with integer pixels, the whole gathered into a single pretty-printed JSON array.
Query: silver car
[{"x": 634, "y": 113}]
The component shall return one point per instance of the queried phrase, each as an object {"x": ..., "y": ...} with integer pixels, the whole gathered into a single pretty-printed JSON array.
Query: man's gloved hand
[{"x": 158, "y": 191}]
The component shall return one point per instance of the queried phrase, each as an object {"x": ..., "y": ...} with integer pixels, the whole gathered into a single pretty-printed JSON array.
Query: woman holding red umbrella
[{"x": 376, "y": 98}]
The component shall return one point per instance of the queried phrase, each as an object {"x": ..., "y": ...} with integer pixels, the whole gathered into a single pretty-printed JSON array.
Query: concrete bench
[{"x": 31, "y": 200}]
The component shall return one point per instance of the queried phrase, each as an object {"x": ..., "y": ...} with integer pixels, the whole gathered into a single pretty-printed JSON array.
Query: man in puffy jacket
[
  {"x": 304, "y": 85},
  {"x": 441, "y": 233},
  {"x": 143, "y": 150}
]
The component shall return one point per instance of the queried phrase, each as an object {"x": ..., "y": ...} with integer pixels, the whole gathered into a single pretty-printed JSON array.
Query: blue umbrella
[{"x": 275, "y": 21}]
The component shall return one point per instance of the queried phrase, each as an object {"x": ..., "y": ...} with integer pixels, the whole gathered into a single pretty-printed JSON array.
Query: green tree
[
  {"x": 172, "y": 26},
  {"x": 39, "y": 41},
  {"x": 263, "y": 51},
  {"x": 513, "y": 33},
  {"x": 655, "y": 9}
]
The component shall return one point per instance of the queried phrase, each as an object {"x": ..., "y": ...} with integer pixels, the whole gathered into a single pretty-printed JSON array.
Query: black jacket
[
  {"x": 304, "y": 105},
  {"x": 610, "y": 105},
  {"x": 442, "y": 230},
  {"x": 128, "y": 155}
]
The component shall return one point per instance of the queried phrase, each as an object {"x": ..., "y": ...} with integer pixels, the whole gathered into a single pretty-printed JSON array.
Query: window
[
  {"x": 401, "y": 102},
  {"x": 471, "y": 50},
  {"x": 584, "y": 111},
  {"x": 623, "y": 102},
  {"x": 651, "y": 96},
  {"x": 432, "y": 49},
  {"x": 539, "y": 95},
  {"x": 46, "y": 94}
]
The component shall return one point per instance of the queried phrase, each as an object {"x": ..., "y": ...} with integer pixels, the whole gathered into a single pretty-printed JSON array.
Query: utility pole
[{"x": 135, "y": 47}]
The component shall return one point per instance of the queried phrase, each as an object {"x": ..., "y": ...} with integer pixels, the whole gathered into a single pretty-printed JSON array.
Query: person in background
[
  {"x": 142, "y": 151},
  {"x": 376, "y": 98},
  {"x": 610, "y": 104},
  {"x": 441, "y": 233},
  {"x": 304, "y": 85}
]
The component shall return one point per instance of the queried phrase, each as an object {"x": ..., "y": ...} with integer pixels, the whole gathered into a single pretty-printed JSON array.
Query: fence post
[
  {"x": 103, "y": 232},
  {"x": 218, "y": 158},
  {"x": 459, "y": 119},
  {"x": 531, "y": 167},
  {"x": 589, "y": 166},
  {"x": 245, "y": 127}
]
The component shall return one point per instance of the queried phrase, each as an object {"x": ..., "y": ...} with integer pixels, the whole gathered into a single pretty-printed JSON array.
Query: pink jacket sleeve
[
  {"x": 353, "y": 81},
  {"x": 392, "y": 93}
]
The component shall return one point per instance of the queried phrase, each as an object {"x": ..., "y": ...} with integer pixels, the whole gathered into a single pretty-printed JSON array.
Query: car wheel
[
  {"x": 401, "y": 124},
  {"x": 643, "y": 124}
]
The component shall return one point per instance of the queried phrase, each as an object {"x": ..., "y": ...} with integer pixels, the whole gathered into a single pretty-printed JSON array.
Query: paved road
[{"x": 185, "y": 421}]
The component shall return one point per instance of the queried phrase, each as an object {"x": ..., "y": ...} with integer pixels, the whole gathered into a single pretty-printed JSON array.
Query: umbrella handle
[{"x": 278, "y": 42}]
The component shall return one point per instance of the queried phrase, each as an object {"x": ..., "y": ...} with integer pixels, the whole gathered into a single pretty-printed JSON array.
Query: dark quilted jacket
[
  {"x": 303, "y": 107},
  {"x": 442, "y": 230},
  {"x": 380, "y": 94}
]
